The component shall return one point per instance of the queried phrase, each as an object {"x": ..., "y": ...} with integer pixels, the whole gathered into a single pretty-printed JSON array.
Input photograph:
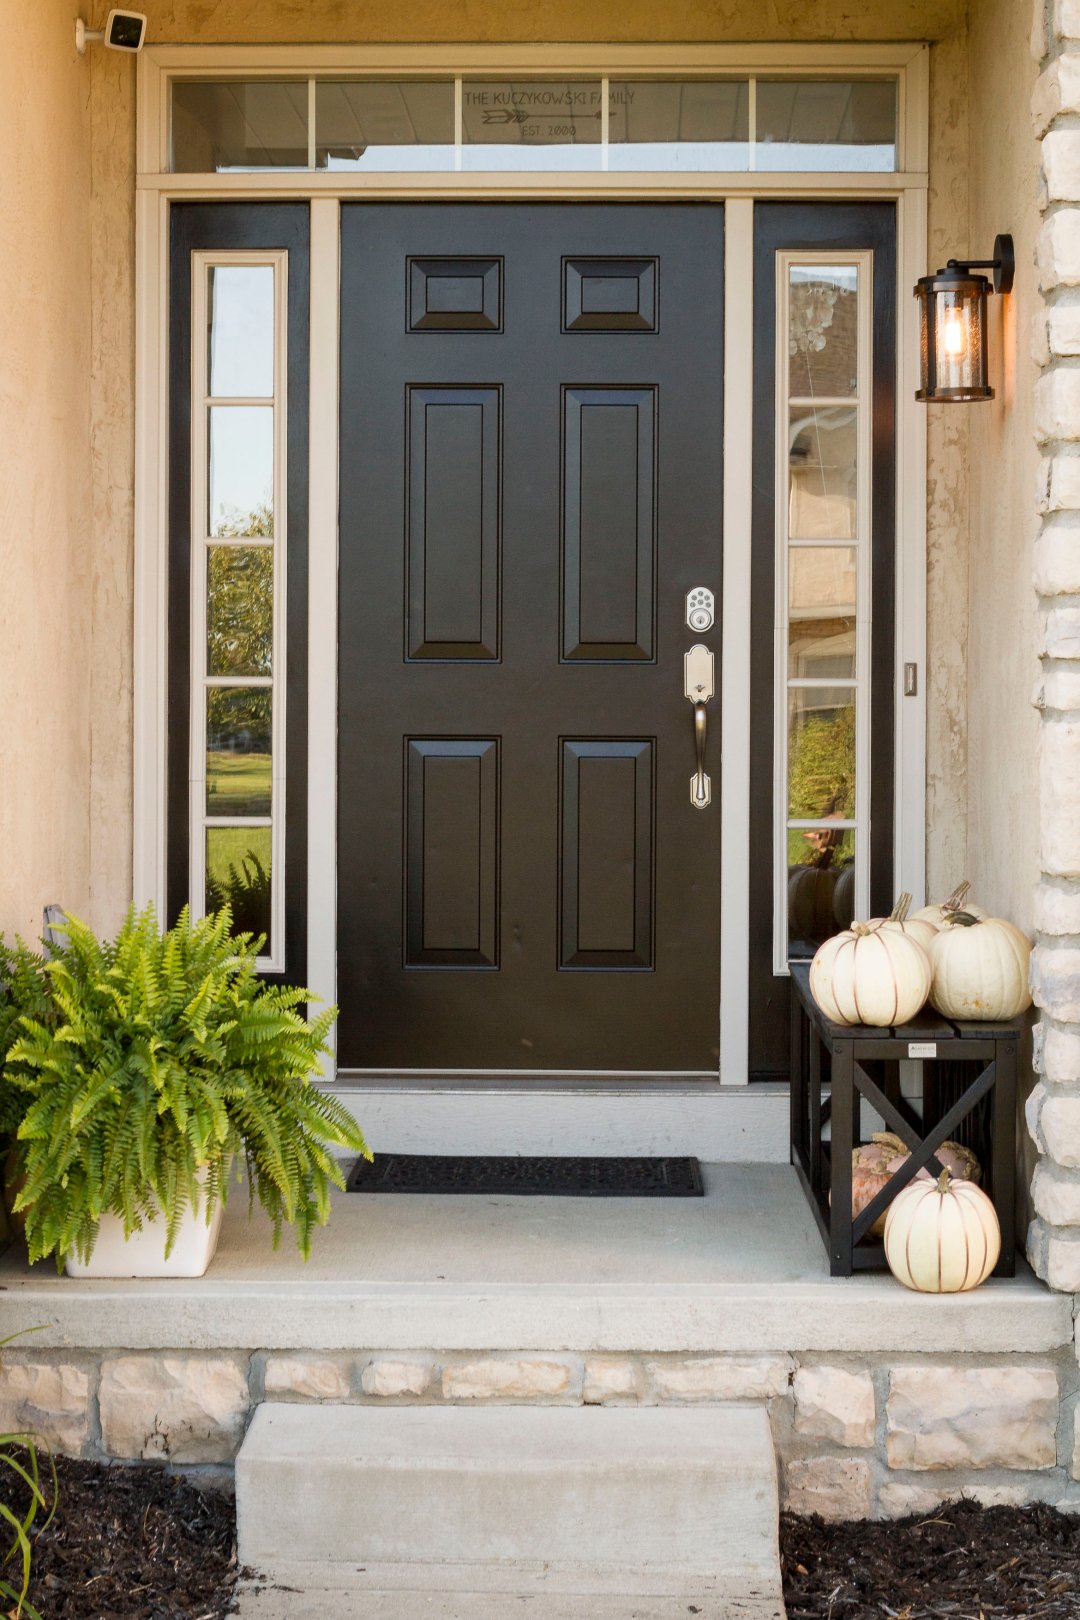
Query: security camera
[{"x": 124, "y": 31}]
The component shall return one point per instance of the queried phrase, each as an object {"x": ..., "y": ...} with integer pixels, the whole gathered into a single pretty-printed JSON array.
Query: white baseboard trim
[{"x": 719, "y": 1124}]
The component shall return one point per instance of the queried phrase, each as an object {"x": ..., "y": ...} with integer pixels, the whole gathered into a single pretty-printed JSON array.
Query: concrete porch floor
[{"x": 741, "y": 1270}]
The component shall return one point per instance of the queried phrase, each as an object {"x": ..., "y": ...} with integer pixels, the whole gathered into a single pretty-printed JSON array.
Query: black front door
[{"x": 531, "y": 430}]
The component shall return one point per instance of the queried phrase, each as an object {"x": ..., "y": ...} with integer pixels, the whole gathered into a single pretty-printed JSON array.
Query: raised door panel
[
  {"x": 609, "y": 295},
  {"x": 609, "y": 524},
  {"x": 453, "y": 523},
  {"x": 451, "y": 852},
  {"x": 606, "y": 854},
  {"x": 455, "y": 295}
]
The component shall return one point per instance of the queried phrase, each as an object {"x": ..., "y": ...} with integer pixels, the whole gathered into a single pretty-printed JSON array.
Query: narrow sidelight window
[
  {"x": 822, "y": 582},
  {"x": 238, "y": 549}
]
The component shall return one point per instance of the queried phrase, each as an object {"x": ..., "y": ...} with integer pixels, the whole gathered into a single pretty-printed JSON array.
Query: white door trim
[
  {"x": 157, "y": 189},
  {"x": 323, "y": 607}
]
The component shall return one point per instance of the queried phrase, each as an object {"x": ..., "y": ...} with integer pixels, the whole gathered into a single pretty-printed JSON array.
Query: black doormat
[{"x": 529, "y": 1178}]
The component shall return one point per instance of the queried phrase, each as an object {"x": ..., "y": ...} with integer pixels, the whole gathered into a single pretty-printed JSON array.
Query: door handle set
[{"x": 699, "y": 684}]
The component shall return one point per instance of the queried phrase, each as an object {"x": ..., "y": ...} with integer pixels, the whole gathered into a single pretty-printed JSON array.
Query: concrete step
[
  {"x": 593, "y": 1501},
  {"x": 257, "y": 1601}
]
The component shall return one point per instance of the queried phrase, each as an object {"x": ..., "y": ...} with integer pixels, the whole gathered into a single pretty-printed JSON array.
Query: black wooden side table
[{"x": 967, "y": 1094}]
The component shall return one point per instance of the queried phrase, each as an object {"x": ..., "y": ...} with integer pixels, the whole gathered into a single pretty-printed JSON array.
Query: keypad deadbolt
[{"x": 700, "y": 608}]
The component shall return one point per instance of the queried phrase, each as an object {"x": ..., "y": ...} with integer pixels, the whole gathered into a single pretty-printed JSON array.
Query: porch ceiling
[
  {"x": 287, "y": 21},
  {"x": 741, "y": 1270}
]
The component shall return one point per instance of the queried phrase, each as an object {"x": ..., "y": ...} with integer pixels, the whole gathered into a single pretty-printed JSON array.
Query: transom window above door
[{"x": 749, "y": 123}]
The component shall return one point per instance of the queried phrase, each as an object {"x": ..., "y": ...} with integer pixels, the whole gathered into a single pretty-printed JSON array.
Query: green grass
[{"x": 237, "y": 784}]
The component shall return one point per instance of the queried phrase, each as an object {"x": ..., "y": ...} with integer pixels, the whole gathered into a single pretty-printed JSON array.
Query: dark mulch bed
[
  {"x": 961, "y": 1562},
  {"x": 131, "y": 1544}
]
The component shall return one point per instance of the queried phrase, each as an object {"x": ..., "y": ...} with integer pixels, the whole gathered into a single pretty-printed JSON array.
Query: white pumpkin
[
  {"x": 870, "y": 976},
  {"x": 917, "y": 928},
  {"x": 942, "y": 1237},
  {"x": 938, "y": 915},
  {"x": 980, "y": 968}
]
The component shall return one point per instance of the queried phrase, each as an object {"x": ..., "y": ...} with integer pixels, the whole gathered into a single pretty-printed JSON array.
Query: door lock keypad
[{"x": 700, "y": 608}]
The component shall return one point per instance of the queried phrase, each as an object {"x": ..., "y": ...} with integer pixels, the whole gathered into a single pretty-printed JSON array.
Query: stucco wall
[
  {"x": 947, "y": 444},
  {"x": 972, "y": 816},
  {"x": 45, "y": 490}
]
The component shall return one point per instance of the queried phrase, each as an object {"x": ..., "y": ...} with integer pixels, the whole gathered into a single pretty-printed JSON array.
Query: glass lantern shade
[{"x": 952, "y": 336}]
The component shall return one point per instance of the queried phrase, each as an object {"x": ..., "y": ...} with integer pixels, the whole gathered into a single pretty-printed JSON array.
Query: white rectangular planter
[{"x": 143, "y": 1253}]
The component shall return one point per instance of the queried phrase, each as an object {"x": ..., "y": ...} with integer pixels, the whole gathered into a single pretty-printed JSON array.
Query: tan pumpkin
[
  {"x": 957, "y": 901},
  {"x": 942, "y": 1237},
  {"x": 980, "y": 968},
  {"x": 874, "y": 1162},
  {"x": 917, "y": 928},
  {"x": 870, "y": 976}
]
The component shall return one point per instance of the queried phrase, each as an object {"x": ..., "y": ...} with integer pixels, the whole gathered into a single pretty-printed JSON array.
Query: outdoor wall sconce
[{"x": 952, "y": 325}]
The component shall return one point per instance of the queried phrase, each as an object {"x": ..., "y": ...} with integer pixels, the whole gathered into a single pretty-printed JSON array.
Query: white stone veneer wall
[
  {"x": 856, "y": 1436},
  {"x": 1054, "y": 1106}
]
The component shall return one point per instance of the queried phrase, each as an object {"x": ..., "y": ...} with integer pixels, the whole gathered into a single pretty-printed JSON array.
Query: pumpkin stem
[
  {"x": 900, "y": 910},
  {"x": 956, "y": 899},
  {"x": 962, "y": 919},
  {"x": 944, "y": 1181},
  {"x": 859, "y": 928}
]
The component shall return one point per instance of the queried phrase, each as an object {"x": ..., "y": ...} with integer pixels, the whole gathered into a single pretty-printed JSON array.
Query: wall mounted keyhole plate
[{"x": 700, "y": 608}]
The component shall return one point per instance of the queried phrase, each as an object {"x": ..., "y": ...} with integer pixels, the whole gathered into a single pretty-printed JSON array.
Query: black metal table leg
[
  {"x": 1002, "y": 1133},
  {"x": 843, "y": 1113}
]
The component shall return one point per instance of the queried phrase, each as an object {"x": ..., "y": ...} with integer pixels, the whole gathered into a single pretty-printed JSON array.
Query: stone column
[{"x": 1054, "y": 1107}]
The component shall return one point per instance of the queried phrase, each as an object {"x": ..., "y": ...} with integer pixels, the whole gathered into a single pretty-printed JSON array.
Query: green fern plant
[
  {"x": 24, "y": 991},
  {"x": 166, "y": 1056}
]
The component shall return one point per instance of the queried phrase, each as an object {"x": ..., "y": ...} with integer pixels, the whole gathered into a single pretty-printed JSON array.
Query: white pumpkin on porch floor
[
  {"x": 868, "y": 975},
  {"x": 941, "y": 1237}
]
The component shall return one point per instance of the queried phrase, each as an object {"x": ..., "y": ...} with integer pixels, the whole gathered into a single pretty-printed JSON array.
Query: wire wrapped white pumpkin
[
  {"x": 941, "y": 1237},
  {"x": 917, "y": 928},
  {"x": 870, "y": 976}
]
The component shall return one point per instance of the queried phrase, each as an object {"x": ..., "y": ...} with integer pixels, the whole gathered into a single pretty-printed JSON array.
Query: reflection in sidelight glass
[
  {"x": 821, "y": 753},
  {"x": 823, "y": 331},
  {"x": 241, "y": 493},
  {"x": 823, "y": 493},
  {"x": 384, "y": 124},
  {"x": 220, "y": 124},
  {"x": 238, "y": 750},
  {"x": 531, "y": 124},
  {"x": 822, "y": 596},
  {"x": 820, "y": 886},
  {"x": 830, "y": 124},
  {"x": 240, "y": 339},
  {"x": 238, "y": 875},
  {"x": 239, "y": 610},
  {"x": 679, "y": 124}
]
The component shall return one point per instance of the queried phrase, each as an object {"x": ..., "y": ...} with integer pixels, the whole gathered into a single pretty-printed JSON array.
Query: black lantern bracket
[{"x": 1002, "y": 265}]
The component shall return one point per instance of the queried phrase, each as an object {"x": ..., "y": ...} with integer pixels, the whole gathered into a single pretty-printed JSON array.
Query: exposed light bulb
[{"x": 952, "y": 337}]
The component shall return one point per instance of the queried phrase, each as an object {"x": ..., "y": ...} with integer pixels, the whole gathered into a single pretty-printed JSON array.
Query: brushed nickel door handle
[
  {"x": 700, "y": 786},
  {"x": 699, "y": 680}
]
